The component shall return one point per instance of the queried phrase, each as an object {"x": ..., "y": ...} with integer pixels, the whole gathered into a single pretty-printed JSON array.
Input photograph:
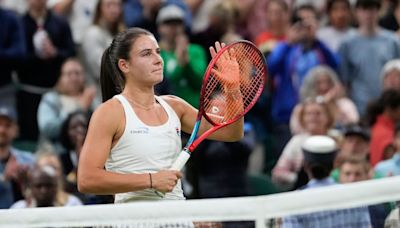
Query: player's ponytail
[{"x": 107, "y": 77}]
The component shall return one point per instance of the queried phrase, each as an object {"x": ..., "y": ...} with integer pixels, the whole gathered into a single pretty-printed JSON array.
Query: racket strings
[{"x": 220, "y": 104}]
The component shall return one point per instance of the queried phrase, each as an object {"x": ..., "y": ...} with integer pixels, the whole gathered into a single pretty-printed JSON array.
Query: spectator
[
  {"x": 13, "y": 163},
  {"x": 12, "y": 51},
  {"x": 393, "y": 219},
  {"x": 78, "y": 12},
  {"x": 339, "y": 27},
  {"x": 18, "y": 6},
  {"x": 357, "y": 169},
  {"x": 278, "y": 19},
  {"x": 49, "y": 42},
  {"x": 383, "y": 115},
  {"x": 353, "y": 169},
  {"x": 390, "y": 75},
  {"x": 390, "y": 20},
  {"x": 107, "y": 23},
  {"x": 143, "y": 13},
  {"x": 43, "y": 184},
  {"x": 391, "y": 167},
  {"x": 69, "y": 95},
  {"x": 49, "y": 158},
  {"x": 73, "y": 133},
  {"x": 221, "y": 167},
  {"x": 288, "y": 64},
  {"x": 323, "y": 83},
  {"x": 316, "y": 118},
  {"x": 250, "y": 17},
  {"x": 359, "y": 68},
  {"x": 184, "y": 63},
  {"x": 319, "y": 153},
  {"x": 221, "y": 26},
  {"x": 200, "y": 10},
  {"x": 355, "y": 142}
]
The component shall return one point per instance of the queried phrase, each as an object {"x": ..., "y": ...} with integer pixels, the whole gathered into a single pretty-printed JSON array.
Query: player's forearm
[{"x": 104, "y": 182}]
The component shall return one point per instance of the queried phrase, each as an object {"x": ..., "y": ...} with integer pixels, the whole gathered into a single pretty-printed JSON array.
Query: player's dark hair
[{"x": 112, "y": 80}]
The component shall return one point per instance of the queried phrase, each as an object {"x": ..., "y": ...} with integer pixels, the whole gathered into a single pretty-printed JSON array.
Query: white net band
[{"x": 257, "y": 208}]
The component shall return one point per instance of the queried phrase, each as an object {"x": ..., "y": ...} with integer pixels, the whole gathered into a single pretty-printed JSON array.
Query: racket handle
[
  {"x": 178, "y": 165},
  {"x": 181, "y": 160}
]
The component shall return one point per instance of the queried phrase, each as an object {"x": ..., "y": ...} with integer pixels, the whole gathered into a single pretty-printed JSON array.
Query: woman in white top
[
  {"x": 69, "y": 95},
  {"x": 315, "y": 118},
  {"x": 107, "y": 22},
  {"x": 135, "y": 135}
]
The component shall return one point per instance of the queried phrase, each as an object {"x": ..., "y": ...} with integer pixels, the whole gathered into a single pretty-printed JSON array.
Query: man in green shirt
[{"x": 184, "y": 63}]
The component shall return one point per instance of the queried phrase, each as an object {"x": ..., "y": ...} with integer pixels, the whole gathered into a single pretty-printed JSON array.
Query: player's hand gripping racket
[{"x": 233, "y": 82}]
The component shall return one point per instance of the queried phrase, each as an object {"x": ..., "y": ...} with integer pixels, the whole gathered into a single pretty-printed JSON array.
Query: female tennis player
[{"x": 135, "y": 134}]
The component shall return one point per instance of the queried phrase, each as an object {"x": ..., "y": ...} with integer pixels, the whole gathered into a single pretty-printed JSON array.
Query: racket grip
[
  {"x": 181, "y": 160},
  {"x": 178, "y": 165}
]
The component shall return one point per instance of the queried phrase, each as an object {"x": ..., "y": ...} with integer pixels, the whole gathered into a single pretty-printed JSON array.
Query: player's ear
[{"x": 123, "y": 65}]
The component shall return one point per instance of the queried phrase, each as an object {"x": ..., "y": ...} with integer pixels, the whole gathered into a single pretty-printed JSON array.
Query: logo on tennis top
[
  {"x": 140, "y": 130},
  {"x": 178, "y": 131}
]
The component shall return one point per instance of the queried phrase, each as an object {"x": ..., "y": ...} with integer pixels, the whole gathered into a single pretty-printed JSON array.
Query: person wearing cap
[
  {"x": 364, "y": 53},
  {"x": 319, "y": 153},
  {"x": 184, "y": 62},
  {"x": 355, "y": 143},
  {"x": 391, "y": 167},
  {"x": 13, "y": 163},
  {"x": 143, "y": 13}
]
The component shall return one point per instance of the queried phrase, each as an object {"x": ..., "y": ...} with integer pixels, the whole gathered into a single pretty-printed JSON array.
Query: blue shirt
[
  {"x": 6, "y": 188},
  {"x": 389, "y": 167},
  {"x": 344, "y": 218},
  {"x": 362, "y": 59},
  {"x": 288, "y": 65}
]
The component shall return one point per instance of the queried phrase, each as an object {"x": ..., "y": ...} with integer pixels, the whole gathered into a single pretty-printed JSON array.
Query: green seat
[
  {"x": 261, "y": 185},
  {"x": 26, "y": 145}
]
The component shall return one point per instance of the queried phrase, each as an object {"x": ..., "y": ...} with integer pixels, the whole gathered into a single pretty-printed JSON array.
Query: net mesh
[
  {"x": 241, "y": 64},
  {"x": 257, "y": 211}
]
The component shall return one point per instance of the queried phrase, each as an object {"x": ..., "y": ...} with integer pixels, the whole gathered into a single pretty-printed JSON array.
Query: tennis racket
[{"x": 232, "y": 83}]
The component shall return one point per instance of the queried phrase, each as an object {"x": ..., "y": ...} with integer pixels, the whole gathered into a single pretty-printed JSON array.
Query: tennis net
[{"x": 260, "y": 210}]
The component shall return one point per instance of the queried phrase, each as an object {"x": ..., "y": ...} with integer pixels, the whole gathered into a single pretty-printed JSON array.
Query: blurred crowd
[{"x": 333, "y": 70}]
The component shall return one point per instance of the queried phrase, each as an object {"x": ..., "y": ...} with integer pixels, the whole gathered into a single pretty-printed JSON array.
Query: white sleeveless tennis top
[{"x": 146, "y": 149}]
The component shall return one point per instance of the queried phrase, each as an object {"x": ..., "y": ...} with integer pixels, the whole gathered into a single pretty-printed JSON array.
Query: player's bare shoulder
[{"x": 109, "y": 113}]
